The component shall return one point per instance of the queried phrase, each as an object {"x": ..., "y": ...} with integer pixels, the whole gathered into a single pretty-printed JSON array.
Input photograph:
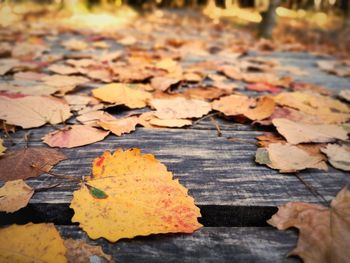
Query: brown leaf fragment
[
  {"x": 324, "y": 233},
  {"x": 296, "y": 133},
  {"x": 74, "y": 44},
  {"x": 345, "y": 94},
  {"x": 33, "y": 111},
  {"x": 180, "y": 108},
  {"x": 163, "y": 83},
  {"x": 28, "y": 162},
  {"x": 288, "y": 158},
  {"x": 119, "y": 126},
  {"x": 338, "y": 156},
  {"x": 93, "y": 117},
  {"x": 78, "y": 251},
  {"x": 171, "y": 123},
  {"x": 74, "y": 136},
  {"x": 2, "y": 147},
  {"x": 14, "y": 195}
]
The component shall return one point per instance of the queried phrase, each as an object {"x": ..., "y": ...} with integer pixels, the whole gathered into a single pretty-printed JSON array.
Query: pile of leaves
[{"x": 154, "y": 80}]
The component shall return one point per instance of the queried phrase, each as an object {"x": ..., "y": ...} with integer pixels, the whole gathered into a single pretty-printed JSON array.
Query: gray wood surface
[{"x": 219, "y": 244}]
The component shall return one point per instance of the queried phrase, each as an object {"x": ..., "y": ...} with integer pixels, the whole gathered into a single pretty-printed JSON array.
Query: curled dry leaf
[
  {"x": 143, "y": 199},
  {"x": 74, "y": 136},
  {"x": 254, "y": 109},
  {"x": 14, "y": 195},
  {"x": 338, "y": 156},
  {"x": 324, "y": 233},
  {"x": 31, "y": 243},
  {"x": 296, "y": 133},
  {"x": 2, "y": 147},
  {"x": 28, "y": 162},
  {"x": 119, "y": 126},
  {"x": 78, "y": 251},
  {"x": 345, "y": 94},
  {"x": 122, "y": 94},
  {"x": 180, "y": 108},
  {"x": 288, "y": 158},
  {"x": 33, "y": 111},
  {"x": 324, "y": 107}
]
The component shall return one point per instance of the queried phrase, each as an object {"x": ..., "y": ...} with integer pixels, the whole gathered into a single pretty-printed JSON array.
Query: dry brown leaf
[
  {"x": 123, "y": 94},
  {"x": 234, "y": 105},
  {"x": 63, "y": 69},
  {"x": 27, "y": 88},
  {"x": 296, "y": 132},
  {"x": 324, "y": 233},
  {"x": 172, "y": 123},
  {"x": 74, "y": 136},
  {"x": 78, "y": 102},
  {"x": 15, "y": 195},
  {"x": 179, "y": 108},
  {"x": 163, "y": 83},
  {"x": 324, "y": 107},
  {"x": 74, "y": 44},
  {"x": 63, "y": 83},
  {"x": 338, "y": 156},
  {"x": 288, "y": 158},
  {"x": 206, "y": 93},
  {"x": 339, "y": 68},
  {"x": 33, "y": 111},
  {"x": 119, "y": 126},
  {"x": 93, "y": 117},
  {"x": 345, "y": 94},
  {"x": 140, "y": 198},
  {"x": 78, "y": 251},
  {"x": 2, "y": 147},
  {"x": 28, "y": 162}
]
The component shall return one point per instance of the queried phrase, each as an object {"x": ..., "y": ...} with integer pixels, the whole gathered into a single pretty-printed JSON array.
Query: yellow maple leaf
[
  {"x": 31, "y": 243},
  {"x": 142, "y": 199},
  {"x": 122, "y": 94}
]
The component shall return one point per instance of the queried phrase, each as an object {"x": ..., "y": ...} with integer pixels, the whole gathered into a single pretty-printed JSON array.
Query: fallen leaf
[
  {"x": 27, "y": 88},
  {"x": 263, "y": 86},
  {"x": 122, "y": 94},
  {"x": 338, "y": 156},
  {"x": 93, "y": 117},
  {"x": 143, "y": 199},
  {"x": 324, "y": 233},
  {"x": 288, "y": 158},
  {"x": 172, "y": 123},
  {"x": 18, "y": 164},
  {"x": 205, "y": 93},
  {"x": 78, "y": 251},
  {"x": 326, "y": 108},
  {"x": 339, "y": 68},
  {"x": 74, "y": 44},
  {"x": 33, "y": 111},
  {"x": 2, "y": 147},
  {"x": 119, "y": 126},
  {"x": 254, "y": 109},
  {"x": 74, "y": 136},
  {"x": 63, "y": 69},
  {"x": 64, "y": 84},
  {"x": 296, "y": 132},
  {"x": 163, "y": 83},
  {"x": 31, "y": 243},
  {"x": 345, "y": 94},
  {"x": 179, "y": 108},
  {"x": 78, "y": 102},
  {"x": 14, "y": 195}
]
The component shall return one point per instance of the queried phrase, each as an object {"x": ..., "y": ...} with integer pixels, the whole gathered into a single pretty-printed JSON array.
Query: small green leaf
[
  {"x": 262, "y": 156},
  {"x": 97, "y": 193}
]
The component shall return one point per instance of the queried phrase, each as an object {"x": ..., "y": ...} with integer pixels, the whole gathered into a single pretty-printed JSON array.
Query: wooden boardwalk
[{"x": 236, "y": 196}]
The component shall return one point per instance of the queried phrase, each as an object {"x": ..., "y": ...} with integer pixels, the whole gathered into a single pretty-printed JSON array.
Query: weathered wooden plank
[
  {"x": 219, "y": 244},
  {"x": 215, "y": 170}
]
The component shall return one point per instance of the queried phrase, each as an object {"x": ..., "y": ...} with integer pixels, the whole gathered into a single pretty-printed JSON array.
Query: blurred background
[{"x": 320, "y": 22}]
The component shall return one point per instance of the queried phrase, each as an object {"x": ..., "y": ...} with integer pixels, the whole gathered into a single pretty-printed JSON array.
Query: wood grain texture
[
  {"x": 220, "y": 244},
  {"x": 215, "y": 170}
]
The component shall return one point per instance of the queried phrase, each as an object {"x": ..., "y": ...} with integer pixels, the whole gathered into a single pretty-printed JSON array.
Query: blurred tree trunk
[{"x": 268, "y": 20}]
